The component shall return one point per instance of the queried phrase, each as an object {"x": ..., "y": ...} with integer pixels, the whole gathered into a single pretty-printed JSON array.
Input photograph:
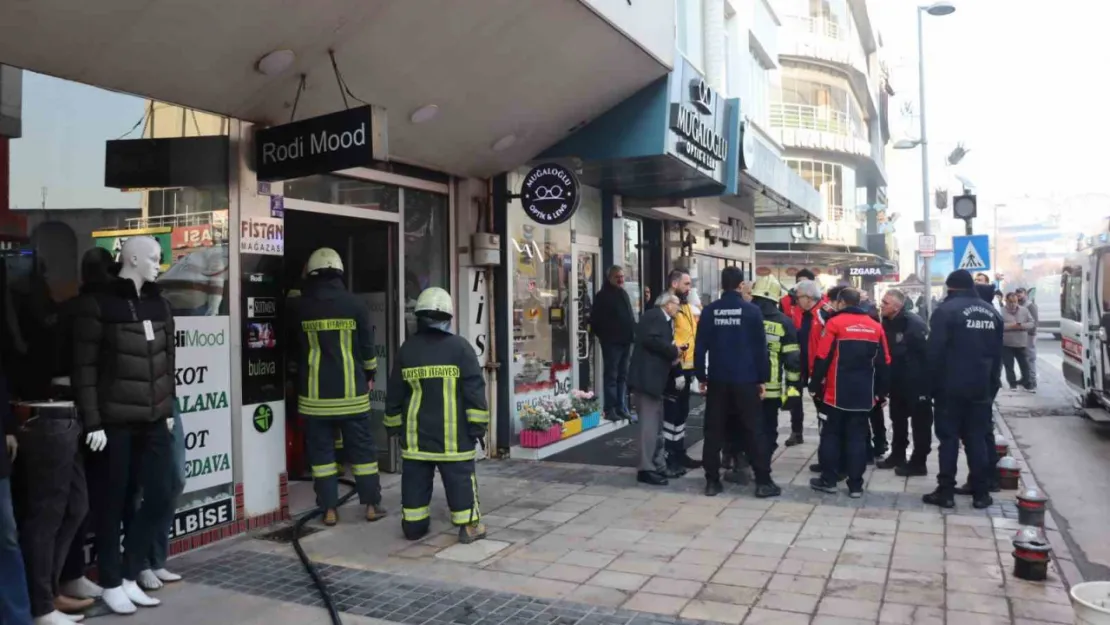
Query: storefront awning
[
  {"x": 675, "y": 138},
  {"x": 777, "y": 195}
]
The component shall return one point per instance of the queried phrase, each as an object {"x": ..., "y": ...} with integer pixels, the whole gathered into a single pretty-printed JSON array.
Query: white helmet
[
  {"x": 323, "y": 258},
  {"x": 435, "y": 300}
]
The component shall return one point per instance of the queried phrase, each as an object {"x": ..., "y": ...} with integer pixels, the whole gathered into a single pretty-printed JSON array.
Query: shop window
[
  {"x": 633, "y": 278},
  {"x": 542, "y": 348},
  {"x": 329, "y": 189},
  {"x": 426, "y": 241}
]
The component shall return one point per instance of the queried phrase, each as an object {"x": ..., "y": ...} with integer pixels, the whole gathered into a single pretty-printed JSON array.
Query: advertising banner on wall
[
  {"x": 113, "y": 240},
  {"x": 203, "y": 397},
  {"x": 262, "y": 335}
]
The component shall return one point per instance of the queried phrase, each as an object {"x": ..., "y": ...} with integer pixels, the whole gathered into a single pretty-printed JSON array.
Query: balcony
[
  {"x": 831, "y": 43},
  {"x": 816, "y": 128}
]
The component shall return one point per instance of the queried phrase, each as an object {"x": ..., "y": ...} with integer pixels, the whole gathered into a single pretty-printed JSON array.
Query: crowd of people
[{"x": 758, "y": 349}]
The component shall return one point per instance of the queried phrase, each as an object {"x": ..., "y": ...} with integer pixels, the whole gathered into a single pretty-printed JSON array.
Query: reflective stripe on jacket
[
  {"x": 336, "y": 359},
  {"x": 438, "y": 396},
  {"x": 783, "y": 349}
]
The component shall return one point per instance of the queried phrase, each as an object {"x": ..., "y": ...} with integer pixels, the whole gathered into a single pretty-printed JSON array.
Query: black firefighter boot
[{"x": 795, "y": 439}]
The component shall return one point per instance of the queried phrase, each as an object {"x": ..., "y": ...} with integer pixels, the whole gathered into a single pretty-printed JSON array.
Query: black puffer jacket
[{"x": 122, "y": 376}]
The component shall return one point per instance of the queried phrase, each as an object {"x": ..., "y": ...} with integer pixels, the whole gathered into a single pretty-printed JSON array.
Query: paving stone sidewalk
[{"x": 586, "y": 545}]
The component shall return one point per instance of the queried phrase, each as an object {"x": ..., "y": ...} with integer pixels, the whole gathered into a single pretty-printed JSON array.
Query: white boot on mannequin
[
  {"x": 57, "y": 618},
  {"x": 167, "y": 576},
  {"x": 117, "y": 601},
  {"x": 81, "y": 588},
  {"x": 137, "y": 596},
  {"x": 74, "y": 618},
  {"x": 148, "y": 580}
]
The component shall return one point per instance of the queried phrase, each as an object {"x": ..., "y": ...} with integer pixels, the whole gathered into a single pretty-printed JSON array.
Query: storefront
[{"x": 635, "y": 173}]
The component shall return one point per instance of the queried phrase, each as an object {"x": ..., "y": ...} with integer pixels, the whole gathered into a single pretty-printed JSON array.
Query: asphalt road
[{"x": 1070, "y": 457}]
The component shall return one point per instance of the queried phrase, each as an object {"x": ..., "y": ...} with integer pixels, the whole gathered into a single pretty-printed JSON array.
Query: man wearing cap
[{"x": 965, "y": 358}]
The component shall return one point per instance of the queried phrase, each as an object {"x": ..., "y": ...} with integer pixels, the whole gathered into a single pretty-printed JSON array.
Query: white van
[{"x": 1046, "y": 294}]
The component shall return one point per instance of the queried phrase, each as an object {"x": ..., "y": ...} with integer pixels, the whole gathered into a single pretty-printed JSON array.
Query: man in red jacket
[{"x": 851, "y": 376}]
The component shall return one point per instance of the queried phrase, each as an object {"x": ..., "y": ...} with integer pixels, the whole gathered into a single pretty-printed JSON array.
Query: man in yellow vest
[{"x": 676, "y": 400}]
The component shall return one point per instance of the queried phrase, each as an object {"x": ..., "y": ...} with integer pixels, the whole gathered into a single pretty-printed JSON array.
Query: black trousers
[
  {"x": 56, "y": 499},
  {"x": 844, "y": 444},
  {"x": 1011, "y": 354},
  {"x": 771, "y": 408},
  {"x": 137, "y": 456},
  {"x": 906, "y": 413},
  {"x": 877, "y": 423},
  {"x": 417, "y": 481},
  {"x": 357, "y": 446},
  {"x": 797, "y": 416},
  {"x": 676, "y": 409},
  {"x": 735, "y": 409},
  {"x": 968, "y": 422}
]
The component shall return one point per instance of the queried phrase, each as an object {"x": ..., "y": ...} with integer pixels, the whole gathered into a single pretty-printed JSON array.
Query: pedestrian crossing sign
[{"x": 972, "y": 252}]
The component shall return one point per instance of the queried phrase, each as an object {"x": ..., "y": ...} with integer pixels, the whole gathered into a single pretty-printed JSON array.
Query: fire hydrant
[
  {"x": 1001, "y": 445},
  {"x": 1008, "y": 473},
  {"x": 1031, "y": 506},
  {"x": 1031, "y": 554}
]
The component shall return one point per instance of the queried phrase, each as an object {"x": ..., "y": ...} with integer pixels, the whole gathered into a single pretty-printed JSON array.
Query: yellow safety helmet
[
  {"x": 767, "y": 287},
  {"x": 435, "y": 301},
  {"x": 323, "y": 258}
]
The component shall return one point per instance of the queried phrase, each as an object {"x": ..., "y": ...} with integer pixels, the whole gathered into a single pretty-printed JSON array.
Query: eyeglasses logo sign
[{"x": 549, "y": 194}]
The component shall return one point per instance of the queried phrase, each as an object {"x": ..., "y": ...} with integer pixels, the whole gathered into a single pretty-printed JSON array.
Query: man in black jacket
[
  {"x": 655, "y": 354},
  {"x": 612, "y": 323},
  {"x": 910, "y": 405}
]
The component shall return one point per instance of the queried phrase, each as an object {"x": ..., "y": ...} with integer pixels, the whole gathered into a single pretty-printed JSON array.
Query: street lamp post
[{"x": 937, "y": 9}]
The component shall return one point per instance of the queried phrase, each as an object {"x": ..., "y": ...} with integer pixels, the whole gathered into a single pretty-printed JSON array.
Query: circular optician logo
[
  {"x": 550, "y": 194},
  {"x": 263, "y": 418}
]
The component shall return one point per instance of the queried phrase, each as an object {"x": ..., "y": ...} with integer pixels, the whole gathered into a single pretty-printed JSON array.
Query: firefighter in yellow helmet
[
  {"x": 436, "y": 403},
  {"x": 335, "y": 372},
  {"x": 784, "y": 351}
]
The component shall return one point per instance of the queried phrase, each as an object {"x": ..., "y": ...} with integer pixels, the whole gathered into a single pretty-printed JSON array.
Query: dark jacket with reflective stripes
[
  {"x": 336, "y": 360},
  {"x": 437, "y": 398},
  {"x": 783, "y": 350}
]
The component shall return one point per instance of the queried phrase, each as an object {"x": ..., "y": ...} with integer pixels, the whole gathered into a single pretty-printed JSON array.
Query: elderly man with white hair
[{"x": 653, "y": 355}]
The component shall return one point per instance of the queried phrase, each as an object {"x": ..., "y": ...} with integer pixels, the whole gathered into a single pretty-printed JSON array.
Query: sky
[
  {"x": 1020, "y": 83},
  {"x": 65, "y": 125}
]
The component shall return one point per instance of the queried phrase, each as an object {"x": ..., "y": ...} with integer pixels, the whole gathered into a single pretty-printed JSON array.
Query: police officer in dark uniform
[
  {"x": 965, "y": 358},
  {"x": 436, "y": 403},
  {"x": 731, "y": 334},
  {"x": 335, "y": 372}
]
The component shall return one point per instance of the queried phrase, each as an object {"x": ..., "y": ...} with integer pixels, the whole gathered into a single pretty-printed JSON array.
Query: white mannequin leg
[
  {"x": 74, "y": 618},
  {"x": 166, "y": 576},
  {"x": 117, "y": 601},
  {"x": 137, "y": 596},
  {"x": 148, "y": 580},
  {"x": 54, "y": 618},
  {"x": 81, "y": 588}
]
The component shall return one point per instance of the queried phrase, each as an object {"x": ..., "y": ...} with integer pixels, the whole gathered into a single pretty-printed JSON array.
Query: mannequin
[{"x": 123, "y": 381}]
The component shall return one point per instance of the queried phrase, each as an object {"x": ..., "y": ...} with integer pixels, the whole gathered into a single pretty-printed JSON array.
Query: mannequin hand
[
  {"x": 13, "y": 446},
  {"x": 97, "y": 440},
  {"x": 169, "y": 424}
]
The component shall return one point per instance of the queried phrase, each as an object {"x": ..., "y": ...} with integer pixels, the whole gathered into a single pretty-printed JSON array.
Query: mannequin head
[{"x": 139, "y": 260}]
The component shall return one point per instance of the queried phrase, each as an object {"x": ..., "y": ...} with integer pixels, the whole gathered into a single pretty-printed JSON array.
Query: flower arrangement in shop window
[
  {"x": 588, "y": 407},
  {"x": 541, "y": 428}
]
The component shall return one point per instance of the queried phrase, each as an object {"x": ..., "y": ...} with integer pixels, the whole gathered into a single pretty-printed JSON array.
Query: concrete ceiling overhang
[{"x": 530, "y": 68}]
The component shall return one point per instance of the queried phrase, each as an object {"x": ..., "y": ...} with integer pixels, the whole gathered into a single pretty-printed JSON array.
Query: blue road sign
[{"x": 972, "y": 253}]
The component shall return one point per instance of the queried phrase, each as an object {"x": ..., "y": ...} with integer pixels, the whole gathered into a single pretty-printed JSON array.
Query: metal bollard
[
  {"x": 1001, "y": 445},
  {"x": 1031, "y": 554},
  {"x": 1031, "y": 506},
  {"x": 1009, "y": 473}
]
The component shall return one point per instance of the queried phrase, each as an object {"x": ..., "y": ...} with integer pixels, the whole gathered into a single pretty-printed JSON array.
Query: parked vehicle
[{"x": 1085, "y": 323}]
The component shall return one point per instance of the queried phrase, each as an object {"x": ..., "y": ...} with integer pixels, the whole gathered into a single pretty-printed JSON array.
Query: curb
[{"x": 1061, "y": 553}]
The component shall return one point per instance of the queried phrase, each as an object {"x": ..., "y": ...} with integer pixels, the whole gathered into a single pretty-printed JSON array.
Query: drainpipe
[{"x": 713, "y": 37}]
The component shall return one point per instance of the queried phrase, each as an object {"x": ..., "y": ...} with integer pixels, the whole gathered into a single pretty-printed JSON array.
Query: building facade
[{"x": 829, "y": 113}]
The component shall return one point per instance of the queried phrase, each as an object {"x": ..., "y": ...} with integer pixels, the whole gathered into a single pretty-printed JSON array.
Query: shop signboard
[
  {"x": 113, "y": 240},
  {"x": 866, "y": 271},
  {"x": 476, "y": 326},
  {"x": 188, "y": 237},
  {"x": 203, "y": 375},
  {"x": 559, "y": 384},
  {"x": 550, "y": 194},
  {"x": 318, "y": 145},
  {"x": 262, "y": 235},
  {"x": 698, "y": 123}
]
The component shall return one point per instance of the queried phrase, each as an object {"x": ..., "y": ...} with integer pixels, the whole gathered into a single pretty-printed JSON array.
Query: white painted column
[{"x": 713, "y": 36}]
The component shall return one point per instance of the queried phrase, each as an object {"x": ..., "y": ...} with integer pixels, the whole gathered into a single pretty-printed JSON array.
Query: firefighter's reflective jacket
[
  {"x": 437, "y": 398},
  {"x": 336, "y": 359},
  {"x": 782, "y": 346}
]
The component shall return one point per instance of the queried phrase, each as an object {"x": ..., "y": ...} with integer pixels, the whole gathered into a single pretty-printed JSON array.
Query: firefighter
[
  {"x": 436, "y": 403},
  {"x": 335, "y": 373},
  {"x": 785, "y": 354}
]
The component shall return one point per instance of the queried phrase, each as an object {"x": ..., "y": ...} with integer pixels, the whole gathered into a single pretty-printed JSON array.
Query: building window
[
  {"x": 329, "y": 189},
  {"x": 689, "y": 27},
  {"x": 633, "y": 281},
  {"x": 814, "y": 105},
  {"x": 426, "y": 262},
  {"x": 829, "y": 18},
  {"x": 828, "y": 179}
]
